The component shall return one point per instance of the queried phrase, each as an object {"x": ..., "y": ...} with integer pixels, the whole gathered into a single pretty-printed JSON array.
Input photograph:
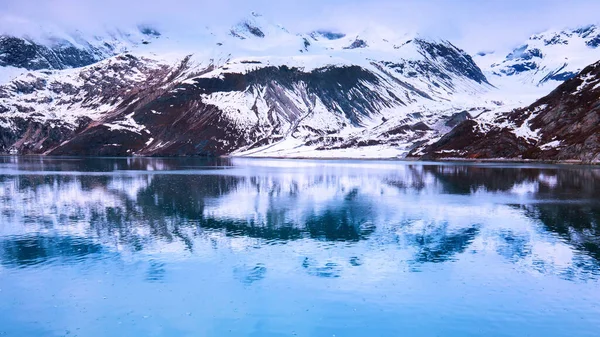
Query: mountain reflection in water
[
  {"x": 55, "y": 210},
  {"x": 261, "y": 220}
]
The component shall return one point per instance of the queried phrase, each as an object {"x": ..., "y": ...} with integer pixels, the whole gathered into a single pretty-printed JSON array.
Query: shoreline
[
  {"x": 571, "y": 162},
  {"x": 437, "y": 160}
]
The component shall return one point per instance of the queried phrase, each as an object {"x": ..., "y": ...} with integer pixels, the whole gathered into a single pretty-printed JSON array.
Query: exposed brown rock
[{"x": 566, "y": 123}]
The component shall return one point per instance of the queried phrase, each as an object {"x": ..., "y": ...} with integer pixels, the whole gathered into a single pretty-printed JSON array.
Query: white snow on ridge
[
  {"x": 544, "y": 61},
  {"x": 61, "y": 95}
]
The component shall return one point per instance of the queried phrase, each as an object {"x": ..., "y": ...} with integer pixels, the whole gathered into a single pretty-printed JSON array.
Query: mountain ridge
[{"x": 258, "y": 90}]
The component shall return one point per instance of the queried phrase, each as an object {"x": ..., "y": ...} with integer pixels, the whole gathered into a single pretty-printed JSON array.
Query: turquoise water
[{"x": 240, "y": 247}]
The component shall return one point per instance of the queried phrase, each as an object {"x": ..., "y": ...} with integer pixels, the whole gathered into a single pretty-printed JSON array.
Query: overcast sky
[{"x": 474, "y": 25}]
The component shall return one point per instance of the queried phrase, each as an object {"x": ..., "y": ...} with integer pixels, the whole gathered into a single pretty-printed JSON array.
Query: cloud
[{"x": 471, "y": 24}]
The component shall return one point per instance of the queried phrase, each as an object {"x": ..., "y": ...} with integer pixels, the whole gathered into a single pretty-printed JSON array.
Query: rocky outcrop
[
  {"x": 23, "y": 53},
  {"x": 54, "y": 50},
  {"x": 563, "y": 126}
]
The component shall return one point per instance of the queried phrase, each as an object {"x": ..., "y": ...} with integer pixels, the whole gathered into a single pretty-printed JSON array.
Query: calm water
[{"x": 192, "y": 247}]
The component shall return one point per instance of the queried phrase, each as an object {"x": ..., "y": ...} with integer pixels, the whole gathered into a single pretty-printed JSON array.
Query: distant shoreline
[
  {"x": 438, "y": 160},
  {"x": 390, "y": 159}
]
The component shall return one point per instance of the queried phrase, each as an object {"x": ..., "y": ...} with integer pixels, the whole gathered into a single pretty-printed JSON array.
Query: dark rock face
[
  {"x": 594, "y": 43},
  {"x": 32, "y": 137},
  {"x": 529, "y": 54},
  {"x": 18, "y": 53},
  {"x": 246, "y": 27},
  {"x": 358, "y": 43},
  {"x": 306, "y": 44},
  {"x": 565, "y": 125},
  {"x": 524, "y": 53},
  {"x": 466, "y": 141},
  {"x": 519, "y": 68},
  {"x": 22, "y": 53},
  {"x": 452, "y": 58},
  {"x": 37, "y": 134},
  {"x": 561, "y": 76},
  {"x": 254, "y": 30},
  {"x": 442, "y": 62},
  {"x": 558, "y": 75},
  {"x": 585, "y": 31},
  {"x": 557, "y": 39}
]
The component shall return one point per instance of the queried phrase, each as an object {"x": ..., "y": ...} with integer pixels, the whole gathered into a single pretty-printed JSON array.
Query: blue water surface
[{"x": 264, "y": 247}]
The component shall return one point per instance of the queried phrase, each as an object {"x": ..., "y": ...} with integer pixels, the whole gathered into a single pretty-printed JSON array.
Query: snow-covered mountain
[
  {"x": 253, "y": 89},
  {"x": 57, "y": 50},
  {"x": 545, "y": 59}
]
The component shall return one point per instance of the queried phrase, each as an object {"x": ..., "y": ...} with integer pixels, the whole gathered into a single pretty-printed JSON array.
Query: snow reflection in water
[{"x": 268, "y": 247}]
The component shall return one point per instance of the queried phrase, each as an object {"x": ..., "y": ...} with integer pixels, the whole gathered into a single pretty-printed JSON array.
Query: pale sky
[{"x": 473, "y": 25}]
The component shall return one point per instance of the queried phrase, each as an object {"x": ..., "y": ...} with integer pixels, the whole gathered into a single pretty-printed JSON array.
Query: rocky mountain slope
[
  {"x": 260, "y": 90},
  {"x": 57, "y": 50},
  {"x": 257, "y": 89},
  {"x": 564, "y": 126}
]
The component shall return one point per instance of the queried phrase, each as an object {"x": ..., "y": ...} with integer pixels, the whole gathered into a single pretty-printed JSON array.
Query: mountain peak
[
  {"x": 256, "y": 26},
  {"x": 550, "y": 56}
]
